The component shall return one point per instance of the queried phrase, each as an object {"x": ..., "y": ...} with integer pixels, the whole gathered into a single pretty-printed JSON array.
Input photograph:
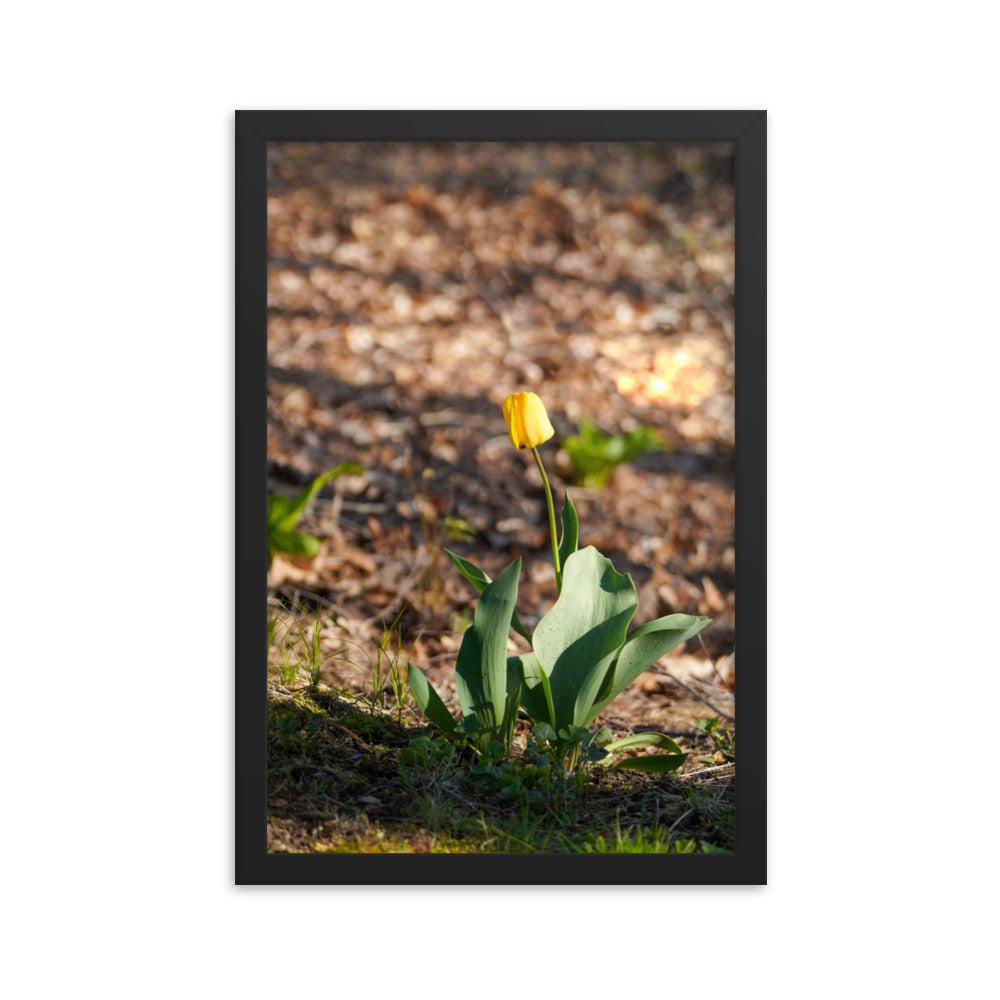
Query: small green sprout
[
  {"x": 283, "y": 514},
  {"x": 594, "y": 456}
]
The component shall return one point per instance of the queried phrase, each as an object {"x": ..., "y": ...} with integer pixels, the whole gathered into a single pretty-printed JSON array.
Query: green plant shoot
[
  {"x": 283, "y": 514},
  {"x": 594, "y": 456},
  {"x": 487, "y": 691}
]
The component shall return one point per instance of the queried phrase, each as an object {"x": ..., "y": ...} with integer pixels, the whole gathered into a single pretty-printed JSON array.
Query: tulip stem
[{"x": 552, "y": 519}]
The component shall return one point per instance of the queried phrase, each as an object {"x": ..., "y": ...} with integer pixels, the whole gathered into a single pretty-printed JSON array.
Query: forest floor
[{"x": 411, "y": 288}]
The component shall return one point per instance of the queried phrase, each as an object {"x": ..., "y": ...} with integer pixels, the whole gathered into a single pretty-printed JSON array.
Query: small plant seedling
[
  {"x": 725, "y": 742},
  {"x": 594, "y": 456},
  {"x": 284, "y": 513},
  {"x": 457, "y": 530}
]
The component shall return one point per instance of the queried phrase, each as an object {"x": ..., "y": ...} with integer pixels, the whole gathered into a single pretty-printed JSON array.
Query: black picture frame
[{"x": 254, "y": 130}]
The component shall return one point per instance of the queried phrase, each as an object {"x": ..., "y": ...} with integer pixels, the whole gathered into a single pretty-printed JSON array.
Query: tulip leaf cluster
[
  {"x": 583, "y": 653},
  {"x": 583, "y": 656}
]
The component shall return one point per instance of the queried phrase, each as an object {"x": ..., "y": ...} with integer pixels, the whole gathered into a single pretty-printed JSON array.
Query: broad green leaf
[
  {"x": 643, "y": 647},
  {"x": 481, "y": 581},
  {"x": 429, "y": 701},
  {"x": 595, "y": 685},
  {"x": 659, "y": 740},
  {"x": 575, "y": 734},
  {"x": 277, "y": 507},
  {"x": 577, "y": 640},
  {"x": 294, "y": 543},
  {"x": 290, "y": 514},
  {"x": 602, "y": 737},
  {"x": 658, "y": 763},
  {"x": 481, "y": 670},
  {"x": 536, "y": 697},
  {"x": 543, "y": 731},
  {"x": 570, "y": 530}
]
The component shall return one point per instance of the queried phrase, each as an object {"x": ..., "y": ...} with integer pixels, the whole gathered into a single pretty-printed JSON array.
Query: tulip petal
[{"x": 527, "y": 420}]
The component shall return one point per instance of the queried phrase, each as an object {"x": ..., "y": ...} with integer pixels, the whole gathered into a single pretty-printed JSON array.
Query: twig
[
  {"x": 354, "y": 736},
  {"x": 694, "y": 694},
  {"x": 680, "y": 819},
  {"x": 705, "y": 770},
  {"x": 420, "y": 565},
  {"x": 708, "y": 657},
  {"x": 294, "y": 592},
  {"x": 723, "y": 788}
]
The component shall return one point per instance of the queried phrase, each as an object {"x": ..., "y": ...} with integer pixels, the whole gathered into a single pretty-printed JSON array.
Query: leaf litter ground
[{"x": 411, "y": 287}]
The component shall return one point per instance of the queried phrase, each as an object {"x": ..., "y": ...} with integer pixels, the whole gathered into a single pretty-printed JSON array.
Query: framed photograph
[{"x": 500, "y": 477}]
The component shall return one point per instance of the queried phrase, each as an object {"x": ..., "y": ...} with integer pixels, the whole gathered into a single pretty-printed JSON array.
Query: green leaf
[
  {"x": 602, "y": 737},
  {"x": 570, "y": 530},
  {"x": 643, "y": 647},
  {"x": 277, "y": 508},
  {"x": 594, "y": 455},
  {"x": 709, "y": 848},
  {"x": 536, "y": 696},
  {"x": 286, "y": 515},
  {"x": 481, "y": 581},
  {"x": 543, "y": 732},
  {"x": 470, "y": 726},
  {"x": 481, "y": 670},
  {"x": 457, "y": 529},
  {"x": 470, "y": 571},
  {"x": 512, "y": 703},
  {"x": 295, "y": 543},
  {"x": 429, "y": 701},
  {"x": 659, "y": 740},
  {"x": 283, "y": 514},
  {"x": 577, "y": 641},
  {"x": 659, "y": 763},
  {"x": 575, "y": 734},
  {"x": 510, "y": 713}
]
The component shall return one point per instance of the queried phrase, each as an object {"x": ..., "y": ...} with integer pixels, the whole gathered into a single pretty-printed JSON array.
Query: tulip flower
[
  {"x": 529, "y": 427},
  {"x": 528, "y": 422},
  {"x": 582, "y": 654}
]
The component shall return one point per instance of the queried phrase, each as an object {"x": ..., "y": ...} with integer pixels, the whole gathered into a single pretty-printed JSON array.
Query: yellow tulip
[{"x": 526, "y": 417}]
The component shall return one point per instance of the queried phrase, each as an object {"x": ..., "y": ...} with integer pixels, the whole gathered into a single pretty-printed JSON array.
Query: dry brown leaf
[{"x": 714, "y": 601}]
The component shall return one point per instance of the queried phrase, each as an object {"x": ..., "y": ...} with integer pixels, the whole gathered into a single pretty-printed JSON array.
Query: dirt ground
[{"x": 411, "y": 287}]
